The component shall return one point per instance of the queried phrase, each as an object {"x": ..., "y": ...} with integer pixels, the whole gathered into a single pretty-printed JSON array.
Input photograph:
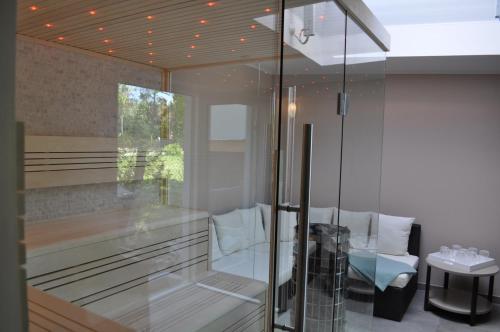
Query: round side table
[{"x": 459, "y": 301}]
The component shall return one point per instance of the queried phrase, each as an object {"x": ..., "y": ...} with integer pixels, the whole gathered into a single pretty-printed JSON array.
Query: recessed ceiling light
[
  {"x": 197, "y": 35},
  {"x": 110, "y": 51},
  {"x": 203, "y": 21},
  {"x": 267, "y": 10},
  {"x": 242, "y": 39},
  {"x": 253, "y": 26},
  {"x": 193, "y": 47},
  {"x": 233, "y": 50},
  {"x": 150, "y": 32},
  {"x": 189, "y": 56},
  {"x": 211, "y": 4},
  {"x": 151, "y": 53},
  {"x": 100, "y": 28},
  {"x": 151, "y": 61},
  {"x": 33, "y": 8},
  {"x": 150, "y": 44},
  {"x": 149, "y": 17},
  {"x": 49, "y": 25},
  {"x": 106, "y": 41},
  {"x": 60, "y": 38},
  {"x": 92, "y": 12}
]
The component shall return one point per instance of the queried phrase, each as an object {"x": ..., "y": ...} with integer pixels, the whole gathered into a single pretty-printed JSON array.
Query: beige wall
[{"x": 441, "y": 159}]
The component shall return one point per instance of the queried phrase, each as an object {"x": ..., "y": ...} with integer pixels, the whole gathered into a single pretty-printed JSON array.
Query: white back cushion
[
  {"x": 288, "y": 222},
  {"x": 254, "y": 228},
  {"x": 357, "y": 222},
  {"x": 321, "y": 215},
  {"x": 230, "y": 232},
  {"x": 393, "y": 234},
  {"x": 214, "y": 242}
]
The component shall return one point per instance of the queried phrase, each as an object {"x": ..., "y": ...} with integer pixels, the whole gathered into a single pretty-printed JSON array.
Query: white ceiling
[{"x": 394, "y": 12}]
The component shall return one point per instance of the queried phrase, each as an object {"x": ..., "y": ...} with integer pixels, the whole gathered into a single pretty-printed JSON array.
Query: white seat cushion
[
  {"x": 403, "y": 279},
  {"x": 230, "y": 232},
  {"x": 252, "y": 221},
  {"x": 253, "y": 262},
  {"x": 321, "y": 215},
  {"x": 357, "y": 222}
]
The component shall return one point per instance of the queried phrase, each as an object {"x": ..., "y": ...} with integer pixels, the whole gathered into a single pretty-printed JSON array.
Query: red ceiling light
[
  {"x": 242, "y": 39},
  {"x": 49, "y": 25},
  {"x": 150, "y": 32},
  {"x": 151, "y": 53},
  {"x": 253, "y": 27},
  {"x": 203, "y": 21},
  {"x": 211, "y": 4},
  {"x": 106, "y": 41},
  {"x": 33, "y": 8},
  {"x": 197, "y": 35},
  {"x": 100, "y": 28},
  {"x": 149, "y": 17},
  {"x": 110, "y": 51},
  {"x": 92, "y": 12},
  {"x": 60, "y": 38},
  {"x": 193, "y": 47},
  {"x": 267, "y": 10}
]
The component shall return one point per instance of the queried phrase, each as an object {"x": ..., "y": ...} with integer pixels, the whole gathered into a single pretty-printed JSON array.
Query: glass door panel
[
  {"x": 361, "y": 172},
  {"x": 313, "y": 72},
  {"x": 148, "y": 185}
]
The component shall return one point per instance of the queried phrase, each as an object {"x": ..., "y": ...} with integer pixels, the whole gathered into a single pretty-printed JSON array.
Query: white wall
[{"x": 441, "y": 159}]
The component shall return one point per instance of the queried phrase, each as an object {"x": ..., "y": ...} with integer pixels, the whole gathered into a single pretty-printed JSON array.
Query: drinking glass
[
  {"x": 484, "y": 253},
  {"x": 445, "y": 251}
]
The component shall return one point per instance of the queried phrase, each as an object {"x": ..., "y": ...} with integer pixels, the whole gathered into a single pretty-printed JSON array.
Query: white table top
[{"x": 442, "y": 265}]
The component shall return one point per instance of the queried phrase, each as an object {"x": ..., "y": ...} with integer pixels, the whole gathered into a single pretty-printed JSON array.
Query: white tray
[{"x": 480, "y": 262}]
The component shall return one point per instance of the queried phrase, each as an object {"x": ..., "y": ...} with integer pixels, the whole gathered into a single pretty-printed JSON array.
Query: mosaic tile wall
[{"x": 65, "y": 92}]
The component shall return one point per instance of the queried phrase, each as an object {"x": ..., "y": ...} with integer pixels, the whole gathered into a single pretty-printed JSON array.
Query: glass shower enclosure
[{"x": 210, "y": 166}]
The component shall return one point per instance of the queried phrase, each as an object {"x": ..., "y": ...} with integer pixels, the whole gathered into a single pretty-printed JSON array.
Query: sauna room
[{"x": 158, "y": 136}]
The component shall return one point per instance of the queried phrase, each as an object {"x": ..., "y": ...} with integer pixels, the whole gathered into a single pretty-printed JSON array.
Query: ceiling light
[
  {"x": 321, "y": 17},
  {"x": 60, "y": 38},
  {"x": 151, "y": 61},
  {"x": 233, "y": 50},
  {"x": 267, "y": 10},
  {"x": 49, "y": 25},
  {"x": 151, "y": 53},
  {"x": 203, "y": 22},
  {"x": 110, "y": 51},
  {"x": 150, "y": 44},
  {"x": 242, "y": 39},
  {"x": 149, "y": 17},
  {"x": 211, "y": 4},
  {"x": 92, "y": 12},
  {"x": 188, "y": 56},
  {"x": 193, "y": 47},
  {"x": 253, "y": 26},
  {"x": 150, "y": 32},
  {"x": 107, "y": 41},
  {"x": 100, "y": 29},
  {"x": 33, "y": 8},
  {"x": 197, "y": 35}
]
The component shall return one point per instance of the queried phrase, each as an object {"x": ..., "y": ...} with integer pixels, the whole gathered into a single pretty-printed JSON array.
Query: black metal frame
[{"x": 394, "y": 301}]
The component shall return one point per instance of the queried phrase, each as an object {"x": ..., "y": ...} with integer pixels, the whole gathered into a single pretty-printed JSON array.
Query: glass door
[
  {"x": 329, "y": 171},
  {"x": 309, "y": 167}
]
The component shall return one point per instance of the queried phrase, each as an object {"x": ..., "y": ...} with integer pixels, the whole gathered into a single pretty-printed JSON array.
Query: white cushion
[
  {"x": 357, "y": 222},
  {"x": 230, "y": 232},
  {"x": 215, "y": 252},
  {"x": 288, "y": 222},
  {"x": 321, "y": 215},
  {"x": 252, "y": 221},
  {"x": 393, "y": 234}
]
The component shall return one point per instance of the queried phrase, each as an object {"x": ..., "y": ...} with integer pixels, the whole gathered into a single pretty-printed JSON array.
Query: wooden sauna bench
[{"x": 143, "y": 268}]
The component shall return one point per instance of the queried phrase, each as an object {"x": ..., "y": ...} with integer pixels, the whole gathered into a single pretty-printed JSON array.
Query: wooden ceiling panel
[{"x": 167, "y": 39}]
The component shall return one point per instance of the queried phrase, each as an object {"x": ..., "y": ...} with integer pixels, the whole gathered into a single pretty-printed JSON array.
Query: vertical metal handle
[{"x": 303, "y": 230}]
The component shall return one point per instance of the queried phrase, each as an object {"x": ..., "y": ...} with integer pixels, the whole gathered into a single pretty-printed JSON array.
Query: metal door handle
[{"x": 303, "y": 229}]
